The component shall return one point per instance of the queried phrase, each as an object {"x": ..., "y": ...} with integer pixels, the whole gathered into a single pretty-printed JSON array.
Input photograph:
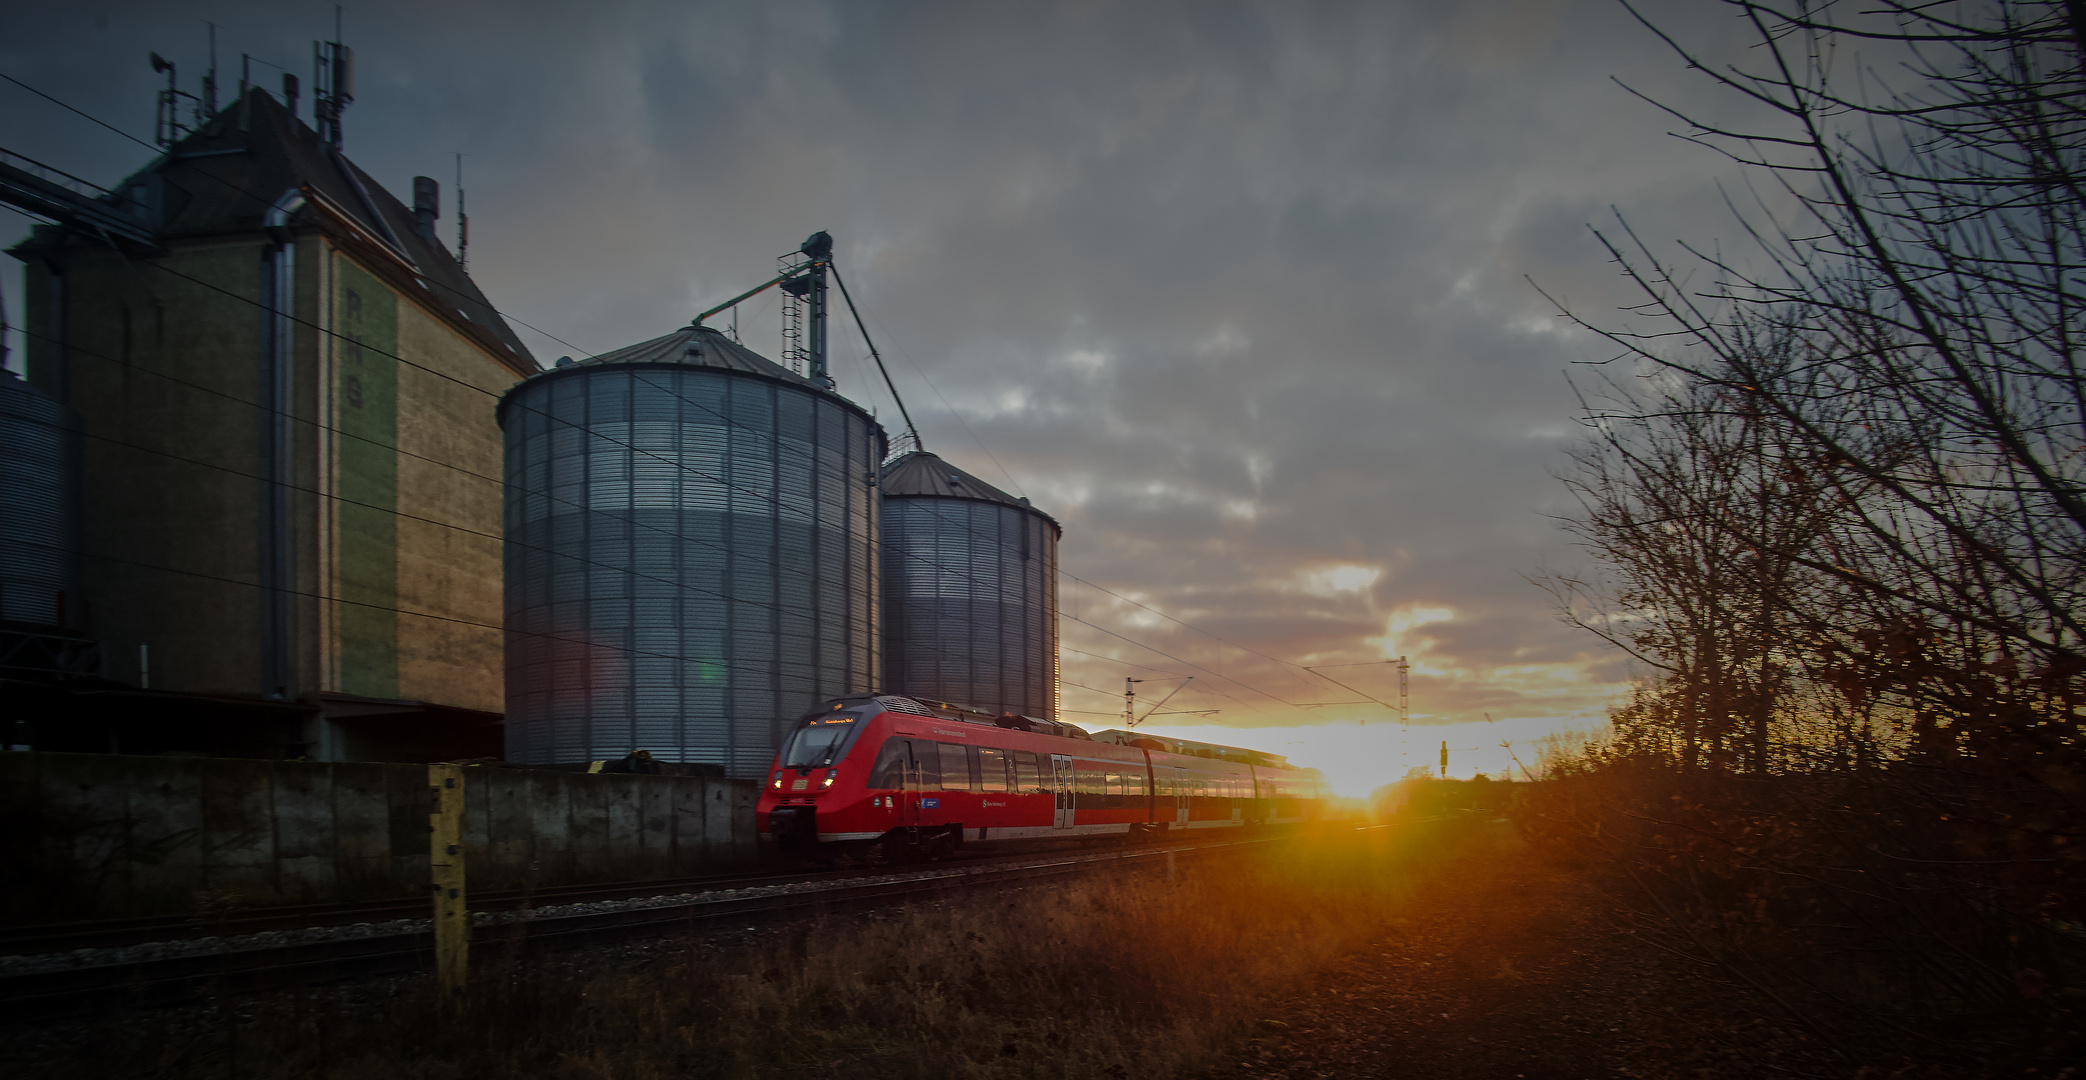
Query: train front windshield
[{"x": 821, "y": 740}]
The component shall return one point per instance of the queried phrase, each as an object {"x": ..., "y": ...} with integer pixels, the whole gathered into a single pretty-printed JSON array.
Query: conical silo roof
[
  {"x": 923, "y": 474},
  {"x": 700, "y": 346}
]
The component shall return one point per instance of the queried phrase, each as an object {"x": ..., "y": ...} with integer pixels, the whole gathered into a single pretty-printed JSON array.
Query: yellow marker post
[{"x": 445, "y": 826}]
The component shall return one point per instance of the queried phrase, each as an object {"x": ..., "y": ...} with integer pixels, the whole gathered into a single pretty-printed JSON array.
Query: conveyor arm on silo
[
  {"x": 909, "y": 428},
  {"x": 751, "y": 293}
]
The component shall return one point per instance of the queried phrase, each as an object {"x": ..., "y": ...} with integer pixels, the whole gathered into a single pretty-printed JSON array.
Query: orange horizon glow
[{"x": 1358, "y": 759}]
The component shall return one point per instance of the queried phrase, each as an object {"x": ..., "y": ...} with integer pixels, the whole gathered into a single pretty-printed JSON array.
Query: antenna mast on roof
[
  {"x": 332, "y": 83},
  {"x": 210, "y": 80},
  {"x": 167, "y": 128},
  {"x": 463, "y": 220}
]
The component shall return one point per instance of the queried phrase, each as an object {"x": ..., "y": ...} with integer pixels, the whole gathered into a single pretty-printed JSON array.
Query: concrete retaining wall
[{"x": 102, "y": 835}]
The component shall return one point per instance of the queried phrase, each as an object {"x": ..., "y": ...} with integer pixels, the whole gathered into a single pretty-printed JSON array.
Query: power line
[
  {"x": 80, "y": 113},
  {"x": 682, "y": 537},
  {"x": 337, "y": 335},
  {"x": 943, "y": 569},
  {"x": 1178, "y": 660},
  {"x": 918, "y": 370},
  {"x": 1180, "y": 622},
  {"x": 774, "y": 498},
  {"x": 1115, "y": 660},
  {"x": 264, "y": 201}
]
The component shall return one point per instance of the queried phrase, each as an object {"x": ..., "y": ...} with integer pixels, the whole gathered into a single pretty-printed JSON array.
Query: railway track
[
  {"x": 273, "y": 954},
  {"x": 115, "y": 933}
]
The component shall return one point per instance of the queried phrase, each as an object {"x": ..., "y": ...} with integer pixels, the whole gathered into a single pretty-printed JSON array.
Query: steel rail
[
  {"x": 264, "y": 968},
  {"x": 43, "y": 938},
  {"x": 114, "y": 933}
]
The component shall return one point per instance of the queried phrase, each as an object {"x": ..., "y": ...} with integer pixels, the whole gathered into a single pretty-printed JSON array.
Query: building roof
[
  {"x": 223, "y": 178},
  {"x": 921, "y": 474}
]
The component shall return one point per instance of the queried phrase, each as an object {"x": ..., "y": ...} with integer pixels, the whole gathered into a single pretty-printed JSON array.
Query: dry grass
[
  {"x": 1917, "y": 915},
  {"x": 1139, "y": 976}
]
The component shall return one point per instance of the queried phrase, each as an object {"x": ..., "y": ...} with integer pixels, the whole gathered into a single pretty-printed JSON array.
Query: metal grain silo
[
  {"x": 970, "y": 591},
  {"x": 39, "y": 507},
  {"x": 691, "y": 538}
]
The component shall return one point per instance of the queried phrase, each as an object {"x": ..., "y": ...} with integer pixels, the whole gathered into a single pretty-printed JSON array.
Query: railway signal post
[{"x": 452, "y": 923}]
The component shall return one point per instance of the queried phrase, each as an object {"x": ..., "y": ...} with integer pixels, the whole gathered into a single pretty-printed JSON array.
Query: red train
[{"x": 925, "y": 778}]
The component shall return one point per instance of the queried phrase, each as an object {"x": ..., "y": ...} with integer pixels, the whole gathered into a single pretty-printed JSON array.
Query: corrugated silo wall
[
  {"x": 691, "y": 562},
  {"x": 39, "y": 507},
  {"x": 970, "y": 594}
]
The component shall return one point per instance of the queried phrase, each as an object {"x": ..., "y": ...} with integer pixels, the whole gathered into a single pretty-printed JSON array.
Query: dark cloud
[{"x": 1237, "y": 291}]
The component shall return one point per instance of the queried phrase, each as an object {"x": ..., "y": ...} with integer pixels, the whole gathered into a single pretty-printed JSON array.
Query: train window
[
  {"x": 956, "y": 766},
  {"x": 1133, "y": 784},
  {"x": 1115, "y": 789},
  {"x": 992, "y": 768},
  {"x": 818, "y": 743},
  {"x": 888, "y": 774},
  {"x": 1028, "y": 777},
  {"x": 929, "y": 761}
]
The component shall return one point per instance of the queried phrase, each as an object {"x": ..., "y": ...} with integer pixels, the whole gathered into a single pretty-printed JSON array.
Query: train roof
[
  {"x": 1191, "y": 748},
  {"x": 963, "y": 714}
]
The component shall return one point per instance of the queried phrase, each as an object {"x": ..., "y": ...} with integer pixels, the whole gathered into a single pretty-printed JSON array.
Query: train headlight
[
  {"x": 831, "y": 775},
  {"x": 777, "y": 785}
]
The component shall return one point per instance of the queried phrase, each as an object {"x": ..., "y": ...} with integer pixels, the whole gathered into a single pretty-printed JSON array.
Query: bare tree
[
  {"x": 1839, "y": 496},
  {"x": 1688, "y": 500},
  {"x": 1909, "y": 337}
]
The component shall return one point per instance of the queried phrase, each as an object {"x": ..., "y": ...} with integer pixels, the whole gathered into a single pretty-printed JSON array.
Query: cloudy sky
[{"x": 1239, "y": 292}]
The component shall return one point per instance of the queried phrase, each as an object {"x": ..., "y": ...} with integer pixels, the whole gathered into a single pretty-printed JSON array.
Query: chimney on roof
[{"x": 427, "y": 206}]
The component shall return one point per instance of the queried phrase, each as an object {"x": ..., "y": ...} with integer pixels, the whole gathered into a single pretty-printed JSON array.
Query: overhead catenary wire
[
  {"x": 1117, "y": 660},
  {"x": 1178, "y": 660}
]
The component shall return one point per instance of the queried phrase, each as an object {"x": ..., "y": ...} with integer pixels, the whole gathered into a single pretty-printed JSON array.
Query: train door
[
  {"x": 1179, "y": 787},
  {"x": 909, "y": 803},
  {"x": 1061, "y": 775}
]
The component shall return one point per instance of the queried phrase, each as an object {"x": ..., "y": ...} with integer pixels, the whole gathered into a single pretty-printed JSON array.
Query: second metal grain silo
[
  {"x": 970, "y": 591},
  {"x": 691, "y": 554}
]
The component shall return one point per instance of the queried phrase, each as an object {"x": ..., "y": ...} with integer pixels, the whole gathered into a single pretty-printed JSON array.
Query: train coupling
[{"x": 794, "y": 826}]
